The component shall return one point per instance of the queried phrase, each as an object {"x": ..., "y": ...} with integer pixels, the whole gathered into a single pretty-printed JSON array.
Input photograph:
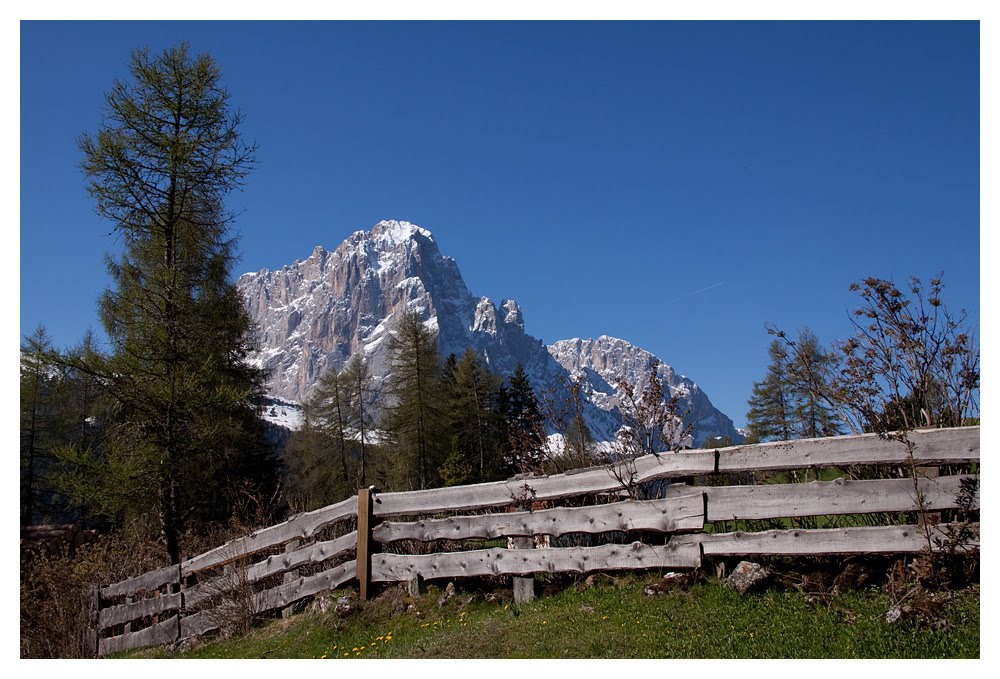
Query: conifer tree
[
  {"x": 416, "y": 422},
  {"x": 770, "y": 416},
  {"x": 361, "y": 397},
  {"x": 793, "y": 399},
  {"x": 810, "y": 374},
  {"x": 312, "y": 478},
  {"x": 327, "y": 411},
  {"x": 473, "y": 409},
  {"x": 525, "y": 425},
  {"x": 38, "y": 384},
  {"x": 186, "y": 430}
]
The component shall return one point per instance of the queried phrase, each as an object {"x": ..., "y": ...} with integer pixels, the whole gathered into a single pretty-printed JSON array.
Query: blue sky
[{"x": 675, "y": 184}]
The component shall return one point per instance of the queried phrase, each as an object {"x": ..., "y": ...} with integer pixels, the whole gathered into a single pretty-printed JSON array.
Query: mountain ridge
[{"x": 313, "y": 314}]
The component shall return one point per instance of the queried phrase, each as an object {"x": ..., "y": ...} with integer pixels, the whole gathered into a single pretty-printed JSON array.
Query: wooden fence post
[
  {"x": 363, "y": 554},
  {"x": 524, "y": 588}
]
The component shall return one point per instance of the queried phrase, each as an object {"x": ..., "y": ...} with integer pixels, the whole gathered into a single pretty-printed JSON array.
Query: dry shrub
[
  {"x": 57, "y": 591},
  {"x": 232, "y": 602}
]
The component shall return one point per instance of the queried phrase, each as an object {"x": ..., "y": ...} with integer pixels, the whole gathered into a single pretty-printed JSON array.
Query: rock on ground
[{"x": 748, "y": 576}]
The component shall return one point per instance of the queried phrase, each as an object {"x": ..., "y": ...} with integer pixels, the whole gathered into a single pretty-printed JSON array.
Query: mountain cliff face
[
  {"x": 606, "y": 361},
  {"x": 314, "y": 314}
]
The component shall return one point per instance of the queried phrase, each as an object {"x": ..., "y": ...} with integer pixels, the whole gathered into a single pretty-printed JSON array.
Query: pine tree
[
  {"x": 327, "y": 411},
  {"x": 186, "y": 430},
  {"x": 793, "y": 400},
  {"x": 473, "y": 410},
  {"x": 361, "y": 398},
  {"x": 312, "y": 478},
  {"x": 809, "y": 376},
  {"x": 38, "y": 384},
  {"x": 770, "y": 416},
  {"x": 416, "y": 422},
  {"x": 524, "y": 425}
]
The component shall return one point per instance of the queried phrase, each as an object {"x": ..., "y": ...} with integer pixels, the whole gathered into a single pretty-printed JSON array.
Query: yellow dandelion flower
[{"x": 346, "y": 654}]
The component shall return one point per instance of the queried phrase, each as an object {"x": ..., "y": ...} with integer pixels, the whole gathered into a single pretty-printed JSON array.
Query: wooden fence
[{"x": 510, "y": 526}]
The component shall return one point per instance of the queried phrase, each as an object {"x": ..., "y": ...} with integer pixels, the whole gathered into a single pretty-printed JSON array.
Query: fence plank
[
  {"x": 771, "y": 501},
  {"x": 537, "y": 488},
  {"x": 683, "y": 511},
  {"x": 117, "y": 615},
  {"x": 165, "y": 632},
  {"x": 288, "y": 593},
  {"x": 939, "y": 446},
  {"x": 281, "y": 596},
  {"x": 197, "y": 624},
  {"x": 141, "y": 583},
  {"x": 302, "y": 526},
  {"x": 316, "y": 552},
  {"x": 933, "y": 446},
  {"x": 863, "y": 540},
  {"x": 402, "y": 567}
]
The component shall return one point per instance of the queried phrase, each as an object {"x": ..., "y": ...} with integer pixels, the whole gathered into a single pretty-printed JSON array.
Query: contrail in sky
[{"x": 697, "y": 292}]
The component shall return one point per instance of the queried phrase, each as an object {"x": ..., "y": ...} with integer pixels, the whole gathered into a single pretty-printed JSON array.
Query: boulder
[{"x": 748, "y": 576}]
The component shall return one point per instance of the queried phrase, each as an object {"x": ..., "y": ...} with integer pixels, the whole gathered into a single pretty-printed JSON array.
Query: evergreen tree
[
  {"x": 59, "y": 408},
  {"x": 38, "y": 386},
  {"x": 770, "y": 417},
  {"x": 312, "y": 480},
  {"x": 417, "y": 421},
  {"x": 361, "y": 397},
  {"x": 473, "y": 409},
  {"x": 810, "y": 373},
  {"x": 793, "y": 400},
  {"x": 327, "y": 411},
  {"x": 186, "y": 430},
  {"x": 524, "y": 424}
]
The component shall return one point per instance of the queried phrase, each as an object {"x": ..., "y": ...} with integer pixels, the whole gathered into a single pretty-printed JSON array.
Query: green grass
[{"x": 610, "y": 620}]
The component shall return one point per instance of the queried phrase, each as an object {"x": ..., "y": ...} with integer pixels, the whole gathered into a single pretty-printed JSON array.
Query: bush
[{"x": 57, "y": 591}]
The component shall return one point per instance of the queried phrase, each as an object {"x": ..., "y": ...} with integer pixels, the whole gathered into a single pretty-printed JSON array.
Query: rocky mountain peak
[
  {"x": 395, "y": 232},
  {"x": 314, "y": 314},
  {"x": 513, "y": 315}
]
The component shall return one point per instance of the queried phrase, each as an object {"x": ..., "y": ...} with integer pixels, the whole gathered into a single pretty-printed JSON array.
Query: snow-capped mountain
[
  {"x": 606, "y": 361},
  {"x": 314, "y": 314}
]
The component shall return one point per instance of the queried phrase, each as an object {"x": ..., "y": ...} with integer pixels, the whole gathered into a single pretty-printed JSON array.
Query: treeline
[{"x": 432, "y": 423}]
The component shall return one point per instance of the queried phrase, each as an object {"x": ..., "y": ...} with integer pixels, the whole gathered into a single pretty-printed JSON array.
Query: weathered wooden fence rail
[{"x": 374, "y": 537}]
